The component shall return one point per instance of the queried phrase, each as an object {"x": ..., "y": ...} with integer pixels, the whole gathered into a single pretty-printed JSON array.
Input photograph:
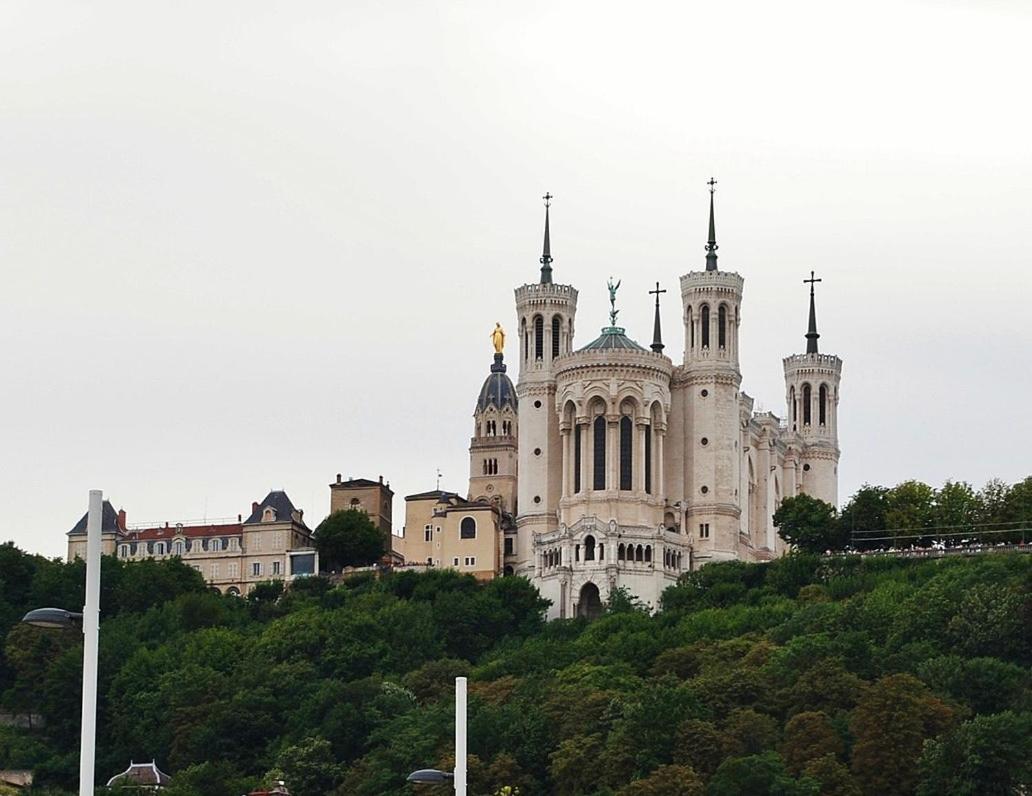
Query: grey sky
[{"x": 250, "y": 245}]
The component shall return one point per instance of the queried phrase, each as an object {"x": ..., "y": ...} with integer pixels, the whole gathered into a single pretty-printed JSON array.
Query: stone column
[
  {"x": 567, "y": 448},
  {"x": 641, "y": 424}
]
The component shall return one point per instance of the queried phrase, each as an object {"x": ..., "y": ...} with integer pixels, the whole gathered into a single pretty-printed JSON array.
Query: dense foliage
[
  {"x": 803, "y": 676},
  {"x": 910, "y": 514},
  {"x": 348, "y": 539}
]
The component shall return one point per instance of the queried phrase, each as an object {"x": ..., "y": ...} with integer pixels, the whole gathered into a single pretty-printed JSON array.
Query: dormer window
[{"x": 269, "y": 514}]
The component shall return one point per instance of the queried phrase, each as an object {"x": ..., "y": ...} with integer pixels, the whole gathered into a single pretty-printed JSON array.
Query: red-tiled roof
[{"x": 189, "y": 531}]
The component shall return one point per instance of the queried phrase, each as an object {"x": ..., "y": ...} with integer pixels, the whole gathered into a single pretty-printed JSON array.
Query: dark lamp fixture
[
  {"x": 52, "y": 618},
  {"x": 430, "y": 776}
]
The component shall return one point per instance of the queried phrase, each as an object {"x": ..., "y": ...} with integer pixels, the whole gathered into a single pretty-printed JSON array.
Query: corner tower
[
  {"x": 812, "y": 395},
  {"x": 492, "y": 451},
  {"x": 545, "y": 313},
  {"x": 706, "y": 406}
]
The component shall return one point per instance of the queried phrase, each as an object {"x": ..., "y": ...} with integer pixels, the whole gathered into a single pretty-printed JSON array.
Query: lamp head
[
  {"x": 52, "y": 618},
  {"x": 430, "y": 776}
]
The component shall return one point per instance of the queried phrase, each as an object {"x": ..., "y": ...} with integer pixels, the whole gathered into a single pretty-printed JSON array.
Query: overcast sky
[{"x": 249, "y": 245}]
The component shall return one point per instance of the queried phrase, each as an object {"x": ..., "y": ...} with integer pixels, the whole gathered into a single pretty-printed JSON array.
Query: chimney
[
  {"x": 121, "y": 519},
  {"x": 338, "y": 478},
  {"x": 381, "y": 480},
  {"x": 240, "y": 517}
]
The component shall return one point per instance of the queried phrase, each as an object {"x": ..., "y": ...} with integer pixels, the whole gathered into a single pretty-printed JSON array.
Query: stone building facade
[
  {"x": 273, "y": 543},
  {"x": 632, "y": 468}
]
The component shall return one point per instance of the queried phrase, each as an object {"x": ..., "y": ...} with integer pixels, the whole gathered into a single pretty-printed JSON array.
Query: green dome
[{"x": 613, "y": 339}]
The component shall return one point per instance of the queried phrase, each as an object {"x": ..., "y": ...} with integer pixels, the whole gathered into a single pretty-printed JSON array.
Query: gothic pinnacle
[
  {"x": 546, "y": 253},
  {"x": 711, "y": 244}
]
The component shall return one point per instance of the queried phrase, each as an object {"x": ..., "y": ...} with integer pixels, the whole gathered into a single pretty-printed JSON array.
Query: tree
[
  {"x": 890, "y": 723},
  {"x": 987, "y": 756},
  {"x": 348, "y": 539},
  {"x": 864, "y": 515},
  {"x": 833, "y": 776},
  {"x": 956, "y": 506},
  {"x": 666, "y": 781},
  {"x": 758, "y": 775},
  {"x": 309, "y": 768},
  {"x": 751, "y": 733},
  {"x": 808, "y": 523},
  {"x": 809, "y": 736},
  {"x": 700, "y": 745},
  {"x": 910, "y": 507}
]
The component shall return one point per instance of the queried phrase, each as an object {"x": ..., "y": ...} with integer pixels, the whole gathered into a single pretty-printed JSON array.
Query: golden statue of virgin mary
[{"x": 498, "y": 338}]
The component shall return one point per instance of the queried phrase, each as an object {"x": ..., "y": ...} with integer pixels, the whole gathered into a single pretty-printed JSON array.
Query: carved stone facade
[{"x": 633, "y": 470}]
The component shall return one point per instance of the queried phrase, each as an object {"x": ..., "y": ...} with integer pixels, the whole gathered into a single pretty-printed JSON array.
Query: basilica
[{"x": 609, "y": 465}]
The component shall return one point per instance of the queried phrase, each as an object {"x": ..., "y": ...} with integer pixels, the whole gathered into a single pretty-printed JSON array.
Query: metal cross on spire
[
  {"x": 546, "y": 251},
  {"x": 711, "y": 244},
  {"x": 811, "y": 332},
  {"x": 657, "y": 335}
]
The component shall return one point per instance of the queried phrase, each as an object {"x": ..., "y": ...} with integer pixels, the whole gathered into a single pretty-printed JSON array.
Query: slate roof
[
  {"x": 140, "y": 774},
  {"x": 108, "y": 521},
  {"x": 440, "y": 494},
  {"x": 278, "y": 500},
  {"x": 356, "y": 482},
  {"x": 497, "y": 390},
  {"x": 613, "y": 339}
]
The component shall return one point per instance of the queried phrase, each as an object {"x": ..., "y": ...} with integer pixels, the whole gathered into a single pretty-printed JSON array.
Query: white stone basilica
[{"x": 612, "y": 466}]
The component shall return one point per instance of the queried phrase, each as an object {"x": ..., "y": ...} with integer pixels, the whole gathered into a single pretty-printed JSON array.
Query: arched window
[
  {"x": 648, "y": 459},
  {"x": 599, "y": 435},
  {"x": 577, "y": 432},
  {"x": 626, "y": 452},
  {"x": 215, "y": 545},
  {"x": 705, "y": 325},
  {"x": 355, "y": 504},
  {"x": 589, "y": 548},
  {"x": 557, "y": 325},
  {"x": 822, "y": 404},
  {"x": 620, "y": 552},
  {"x": 639, "y": 554},
  {"x": 468, "y": 528},
  {"x": 722, "y": 326},
  {"x": 601, "y": 552},
  {"x": 178, "y": 549},
  {"x": 691, "y": 329},
  {"x": 539, "y": 337},
  {"x": 807, "y": 404},
  {"x": 648, "y": 552}
]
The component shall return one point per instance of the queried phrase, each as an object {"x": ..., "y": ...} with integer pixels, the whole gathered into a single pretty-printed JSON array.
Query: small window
[
  {"x": 214, "y": 570},
  {"x": 807, "y": 404},
  {"x": 159, "y": 549},
  {"x": 428, "y": 533},
  {"x": 468, "y": 528},
  {"x": 275, "y": 567},
  {"x": 256, "y": 568},
  {"x": 471, "y": 561},
  {"x": 215, "y": 545},
  {"x": 455, "y": 561},
  {"x": 704, "y": 530},
  {"x": 123, "y": 551},
  {"x": 539, "y": 337},
  {"x": 722, "y": 326},
  {"x": 556, "y": 326},
  {"x": 508, "y": 546},
  {"x": 705, "y": 325}
]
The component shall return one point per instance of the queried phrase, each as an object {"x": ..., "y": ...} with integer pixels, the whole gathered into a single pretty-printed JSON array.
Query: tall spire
[
  {"x": 811, "y": 332},
  {"x": 546, "y": 253},
  {"x": 657, "y": 332},
  {"x": 711, "y": 245}
]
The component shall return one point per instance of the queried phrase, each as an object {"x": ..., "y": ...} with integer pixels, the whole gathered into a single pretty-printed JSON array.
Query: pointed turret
[
  {"x": 711, "y": 244},
  {"x": 811, "y": 331},
  {"x": 546, "y": 252},
  {"x": 657, "y": 331}
]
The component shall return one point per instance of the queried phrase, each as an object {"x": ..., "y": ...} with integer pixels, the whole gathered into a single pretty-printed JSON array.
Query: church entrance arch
[{"x": 590, "y": 603}]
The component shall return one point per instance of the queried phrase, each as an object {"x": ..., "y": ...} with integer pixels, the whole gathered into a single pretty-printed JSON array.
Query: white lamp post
[
  {"x": 90, "y": 618},
  {"x": 432, "y": 776}
]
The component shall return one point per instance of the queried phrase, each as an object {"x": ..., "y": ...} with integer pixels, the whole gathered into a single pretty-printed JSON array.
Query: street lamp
[
  {"x": 52, "y": 618},
  {"x": 431, "y": 776},
  {"x": 90, "y": 618}
]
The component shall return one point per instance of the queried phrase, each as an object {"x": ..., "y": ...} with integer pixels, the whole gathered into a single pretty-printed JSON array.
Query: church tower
[
  {"x": 545, "y": 313},
  {"x": 710, "y": 413},
  {"x": 492, "y": 451},
  {"x": 812, "y": 396}
]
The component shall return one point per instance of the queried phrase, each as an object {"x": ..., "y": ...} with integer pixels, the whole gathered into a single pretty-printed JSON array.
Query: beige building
[
  {"x": 375, "y": 498},
  {"x": 273, "y": 543},
  {"x": 444, "y": 530}
]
